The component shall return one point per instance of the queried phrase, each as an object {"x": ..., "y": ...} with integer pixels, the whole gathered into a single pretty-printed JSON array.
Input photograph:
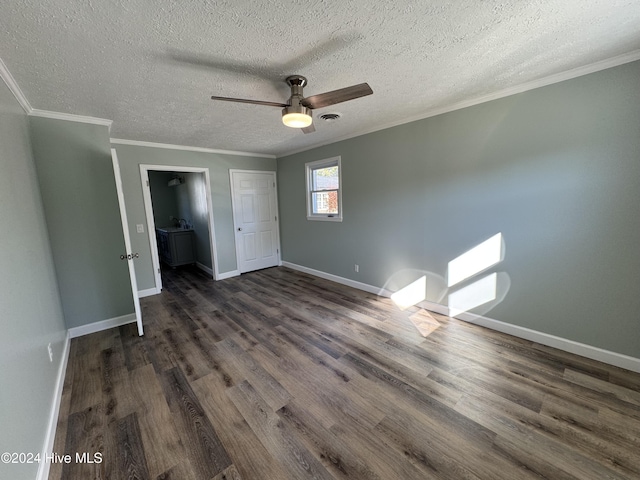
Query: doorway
[{"x": 179, "y": 216}]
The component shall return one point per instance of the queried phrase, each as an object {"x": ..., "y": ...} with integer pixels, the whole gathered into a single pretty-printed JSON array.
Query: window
[{"x": 324, "y": 194}]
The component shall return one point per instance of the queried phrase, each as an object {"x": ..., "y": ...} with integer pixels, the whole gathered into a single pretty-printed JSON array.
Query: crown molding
[
  {"x": 138, "y": 143},
  {"x": 29, "y": 110},
  {"x": 541, "y": 82},
  {"x": 71, "y": 117},
  {"x": 14, "y": 88}
]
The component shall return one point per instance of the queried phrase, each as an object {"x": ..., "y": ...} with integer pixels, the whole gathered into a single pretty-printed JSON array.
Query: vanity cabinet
[{"x": 176, "y": 246}]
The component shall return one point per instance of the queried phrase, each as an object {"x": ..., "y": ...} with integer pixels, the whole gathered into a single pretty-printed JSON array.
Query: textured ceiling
[{"x": 151, "y": 66}]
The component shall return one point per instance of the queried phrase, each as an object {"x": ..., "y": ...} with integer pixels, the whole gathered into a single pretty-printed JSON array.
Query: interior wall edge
[
  {"x": 148, "y": 292},
  {"x": 101, "y": 325},
  {"x": 204, "y": 268},
  {"x": 71, "y": 117},
  {"x": 14, "y": 88},
  {"x": 229, "y": 274},
  {"x": 52, "y": 424}
]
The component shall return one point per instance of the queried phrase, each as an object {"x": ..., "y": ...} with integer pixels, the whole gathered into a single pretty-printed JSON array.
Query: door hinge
[
  {"x": 158, "y": 270},
  {"x": 147, "y": 183},
  {"x": 276, "y": 217}
]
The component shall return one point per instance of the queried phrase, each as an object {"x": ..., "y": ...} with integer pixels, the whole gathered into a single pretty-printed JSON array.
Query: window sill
[{"x": 324, "y": 218}]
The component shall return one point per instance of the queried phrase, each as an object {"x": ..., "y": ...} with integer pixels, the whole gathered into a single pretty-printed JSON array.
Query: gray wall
[
  {"x": 78, "y": 189},
  {"x": 164, "y": 199},
  {"x": 192, "y": 206},
  {"x": 31, "y": 314},
  {"x": 556, "y": 170},
  {"x": 131, "y": 156},
  {"x": 183, "y": 198}
]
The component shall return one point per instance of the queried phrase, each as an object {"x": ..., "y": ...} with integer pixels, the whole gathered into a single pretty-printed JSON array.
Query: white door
[
  {"x": 127, "y": 256},
  {"x": 255, "y": 219}
]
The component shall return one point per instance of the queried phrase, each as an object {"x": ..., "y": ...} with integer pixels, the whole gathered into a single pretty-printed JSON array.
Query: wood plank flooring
[{"x": 280, "y": 375}]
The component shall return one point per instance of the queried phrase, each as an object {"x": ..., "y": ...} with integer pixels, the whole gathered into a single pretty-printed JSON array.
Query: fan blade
[
  {"x": 254, "y": 102},
  {"x": 337, "y": 96},
  {"x": 309, "y": 129}
]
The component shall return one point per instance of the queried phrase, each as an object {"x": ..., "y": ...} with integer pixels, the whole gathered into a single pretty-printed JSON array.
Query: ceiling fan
[{"x": 296, "y": 113}]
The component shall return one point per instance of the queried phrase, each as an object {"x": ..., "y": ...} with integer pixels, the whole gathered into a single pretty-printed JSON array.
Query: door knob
[{"x": 239, "y": 229}]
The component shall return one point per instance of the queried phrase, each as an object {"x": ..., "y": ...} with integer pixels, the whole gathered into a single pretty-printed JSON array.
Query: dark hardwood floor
[{"x": 280, "y": 375}]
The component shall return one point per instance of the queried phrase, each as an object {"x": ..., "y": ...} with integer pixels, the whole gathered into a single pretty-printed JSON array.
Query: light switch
[{"x": 140, "y": 228}]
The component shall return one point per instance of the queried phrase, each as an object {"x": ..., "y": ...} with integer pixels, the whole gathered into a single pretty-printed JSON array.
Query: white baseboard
[
  {"x": 337, "y": 279},
  {"x": 435, "y": 307},
  {"x": 582, "y": 349},
  {"x": 204, "y": 268},
  {"x": 588, "y": 351},
  {"x": 102, "y": 325},
  {"x": 232, "y": 273},
  {"x": 47, "y": 449},
  {"x": 148, "y": 292}
]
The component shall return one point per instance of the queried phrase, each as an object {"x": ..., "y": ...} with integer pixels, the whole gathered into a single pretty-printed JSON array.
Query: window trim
[{"x": 309, "y": 168}]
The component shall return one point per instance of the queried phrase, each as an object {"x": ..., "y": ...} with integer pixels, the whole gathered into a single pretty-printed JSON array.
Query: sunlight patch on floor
[{"x": 424, "y": 322}]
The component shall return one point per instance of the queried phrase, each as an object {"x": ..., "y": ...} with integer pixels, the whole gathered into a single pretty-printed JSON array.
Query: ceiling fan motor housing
[
  {"x": 295, "y": 114},
  {"x": 296, "y": 82}
]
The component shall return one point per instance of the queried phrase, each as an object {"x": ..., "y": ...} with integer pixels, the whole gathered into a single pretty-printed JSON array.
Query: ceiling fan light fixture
[
  {"x": 296, "y": 116},
  {"x": 296, "y": 113}
]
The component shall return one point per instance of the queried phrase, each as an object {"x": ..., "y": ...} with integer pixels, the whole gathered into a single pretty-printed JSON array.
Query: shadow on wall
[{"x": 464, "y": 289}]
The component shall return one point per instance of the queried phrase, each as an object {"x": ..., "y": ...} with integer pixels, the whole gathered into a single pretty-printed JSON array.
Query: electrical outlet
[
  {"x": 140, "y": 228},
  {"x": 50, "y": 350},
  {"x": 356, "y": 267}
]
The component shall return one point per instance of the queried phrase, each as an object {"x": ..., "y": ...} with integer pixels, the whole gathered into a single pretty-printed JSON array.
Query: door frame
[
  {"x": 151, "y": 226},
  {"x": 127, "y": 241},
  {"x": 233, "y": 213}
]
